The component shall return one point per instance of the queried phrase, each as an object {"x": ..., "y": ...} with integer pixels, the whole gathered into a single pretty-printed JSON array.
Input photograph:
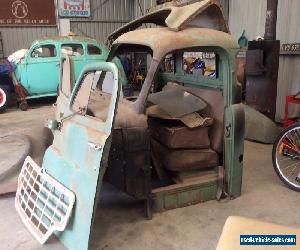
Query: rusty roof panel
[
  {"x": 204, "y": 14},
  {"x": 164, "y": 40}
]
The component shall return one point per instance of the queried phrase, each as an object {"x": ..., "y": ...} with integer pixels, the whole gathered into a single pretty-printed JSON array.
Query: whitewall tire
[{"x": 3, "y": 98}]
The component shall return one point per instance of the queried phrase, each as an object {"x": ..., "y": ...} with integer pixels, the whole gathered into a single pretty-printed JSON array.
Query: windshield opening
[{"x": 136, "y": 61}]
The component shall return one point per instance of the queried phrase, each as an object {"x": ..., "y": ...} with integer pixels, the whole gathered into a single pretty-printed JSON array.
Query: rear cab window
[
  {"x": 200, "y": 63},
  {"x": 72, "y": 49},
  {"x": 199, "y": 66}
]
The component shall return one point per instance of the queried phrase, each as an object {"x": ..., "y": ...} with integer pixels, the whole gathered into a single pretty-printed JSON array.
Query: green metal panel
[
  {"x": 222, "y": 82},
  {"x": 42, "y": 73},
  {"x": 234, "y": 148},
  {"x": 183, "y": 196},
  {"x": 73, "y": 162}
]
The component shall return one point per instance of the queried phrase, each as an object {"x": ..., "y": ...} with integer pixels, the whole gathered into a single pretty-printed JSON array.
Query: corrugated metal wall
[
  {"x": 106, "y": 16},
  {"x": 250, "y": 15},
  {"x": 141, "y": 6},
  {"x": 21, "y": 38}
]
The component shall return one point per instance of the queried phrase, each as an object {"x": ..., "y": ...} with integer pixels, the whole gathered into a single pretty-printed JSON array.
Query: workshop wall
[
  {"x": 250, "y": 15},
  {"x": 15, "y": 38},
  {"x": 141, "y": 6},
  {"x": 106, "y": 16}
]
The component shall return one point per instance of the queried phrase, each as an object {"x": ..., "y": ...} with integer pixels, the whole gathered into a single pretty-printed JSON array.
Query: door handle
[{"x": 95, "y": 146}]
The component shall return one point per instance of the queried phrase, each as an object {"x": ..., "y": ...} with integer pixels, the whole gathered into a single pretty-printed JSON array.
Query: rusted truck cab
[
  {"x": 162, "y": 151},
  {"x": 180, "y": 142},
  {"x": 145, "y": 161}
]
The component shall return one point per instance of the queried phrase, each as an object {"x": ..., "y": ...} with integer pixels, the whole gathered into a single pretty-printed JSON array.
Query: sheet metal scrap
[
  {"x": 259, "y": 127},
  {"x": 192, "y": 120},
  {"x": 13, "y": 150},
  {"x": 168, "y": 101}
]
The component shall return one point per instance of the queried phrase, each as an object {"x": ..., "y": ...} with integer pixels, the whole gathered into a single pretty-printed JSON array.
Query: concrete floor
[{"x": 120, "y": 222}]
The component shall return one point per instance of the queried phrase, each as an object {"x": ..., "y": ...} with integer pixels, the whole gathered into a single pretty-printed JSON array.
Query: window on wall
[
  {"x": 44, "y": 51},
  {"x": 72, "y": 49},
  {"x": 93, "y": 50},
  {"x": 200, "y": 63}
]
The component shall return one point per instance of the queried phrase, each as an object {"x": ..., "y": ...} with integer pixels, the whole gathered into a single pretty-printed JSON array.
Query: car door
[
  {"x": 78, "y": 156},
  {"x": 42, "y": 70}
]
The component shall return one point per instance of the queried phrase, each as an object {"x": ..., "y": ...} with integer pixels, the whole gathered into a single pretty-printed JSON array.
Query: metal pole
[
  {"x": 271, "y": 20},
  {"x": 57, "y": 17}
]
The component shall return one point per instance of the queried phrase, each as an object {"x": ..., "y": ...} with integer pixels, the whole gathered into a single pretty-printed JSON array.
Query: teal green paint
[
  {"x": 77, "y": 166},
  {"x": 182, "y": 197},
  {"x": 42, "y": 95},
  {"x": 72, "y": 162},
  {"x": 234, "y": 149},
  {"x": 40, "y": 76},
  {"x": 233, "y": 115},
  {"x": 224, "y": 66}
]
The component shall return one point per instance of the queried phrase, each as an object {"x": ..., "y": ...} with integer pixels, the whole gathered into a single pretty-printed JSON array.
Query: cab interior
[{"x": 170, "y": 147}]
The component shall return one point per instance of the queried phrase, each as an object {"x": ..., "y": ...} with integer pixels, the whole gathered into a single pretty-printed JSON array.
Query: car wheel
[{"x": 4, "y": 95}]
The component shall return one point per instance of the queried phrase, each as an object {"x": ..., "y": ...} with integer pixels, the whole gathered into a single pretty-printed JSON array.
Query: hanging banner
[
  {"x": 74, "y": 8},
  {"x": 27, "y": 13}
]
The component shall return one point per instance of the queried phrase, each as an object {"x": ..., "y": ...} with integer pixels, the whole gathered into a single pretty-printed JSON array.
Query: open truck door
[{"x": 61, "y": 197}]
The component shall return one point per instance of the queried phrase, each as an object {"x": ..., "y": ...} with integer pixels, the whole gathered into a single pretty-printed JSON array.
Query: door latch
[{"x": 95, "y": 146}]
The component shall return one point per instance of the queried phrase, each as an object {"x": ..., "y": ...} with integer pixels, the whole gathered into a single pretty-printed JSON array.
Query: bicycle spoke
[
  {"x": 287, "y": 158},
  {"x": 293, "y": 165},
  {"x": 287, "y": 155},
  {"x": 293, "y": 144}
]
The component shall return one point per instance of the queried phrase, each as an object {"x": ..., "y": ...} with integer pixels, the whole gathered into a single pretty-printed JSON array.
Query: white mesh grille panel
[{"x": 43, "y": 204}]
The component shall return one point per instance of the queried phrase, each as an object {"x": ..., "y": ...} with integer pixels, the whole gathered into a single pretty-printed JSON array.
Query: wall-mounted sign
[
  {"x": 74, "y": 8},
  {"x": 290, "y": 49},
  {"x": 27, "y": 13}
]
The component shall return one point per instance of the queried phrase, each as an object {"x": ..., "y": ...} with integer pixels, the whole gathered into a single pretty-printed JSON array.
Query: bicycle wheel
[{"x": 286, "y": 157}]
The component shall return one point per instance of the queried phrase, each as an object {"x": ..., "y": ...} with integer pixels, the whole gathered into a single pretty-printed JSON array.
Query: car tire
[{"x": 4, "y": 98}]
